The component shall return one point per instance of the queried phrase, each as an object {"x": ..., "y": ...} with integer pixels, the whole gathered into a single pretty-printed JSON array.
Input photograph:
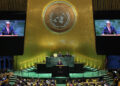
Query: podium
[{"x": 60, "y": 71}]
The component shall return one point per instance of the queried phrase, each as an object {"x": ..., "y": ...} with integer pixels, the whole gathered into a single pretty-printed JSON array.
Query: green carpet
[
  {"x": 29, "y": 73},
  {"x": 49, "y": 75},
  {"x": 61, "y": 84}
]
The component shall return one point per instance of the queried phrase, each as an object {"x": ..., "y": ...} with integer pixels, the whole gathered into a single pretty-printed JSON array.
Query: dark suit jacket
[
  {"x": 60, "y": 55},
  {"x": 60, "y": 63},
  {"x": 106, "y": 31},
  {"x": 11, "y": 31}
]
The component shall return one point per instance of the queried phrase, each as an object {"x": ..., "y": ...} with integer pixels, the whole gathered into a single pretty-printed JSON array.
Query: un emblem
[{"x": 59, "y": 16}]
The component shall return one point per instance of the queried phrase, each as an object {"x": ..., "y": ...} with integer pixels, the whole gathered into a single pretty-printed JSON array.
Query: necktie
[
  {"x": 109, "y": 30},
  {"x": 8, "y": 30}
]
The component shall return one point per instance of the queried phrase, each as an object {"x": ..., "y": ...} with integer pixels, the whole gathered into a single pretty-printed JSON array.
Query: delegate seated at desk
[
  {"x": 57, "y": 55},
  {"x": 60, "y": 54},
  {"x": 67, "y": 55}
]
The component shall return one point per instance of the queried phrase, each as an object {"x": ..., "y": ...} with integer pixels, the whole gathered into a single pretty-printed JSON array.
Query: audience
[
  {"x": 115, "y": 75},
  {"x": 4, "y": 78},
  {"x": 86, "y": 82},
  {"x": 34, "y": 82},
  {"x": 4, "y": 81}
]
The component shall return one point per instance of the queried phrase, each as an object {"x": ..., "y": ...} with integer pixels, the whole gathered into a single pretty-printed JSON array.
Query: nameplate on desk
[
  {"x": 7, "y": 35},
  {"x": 110, "y": 35},
  {"x": 59, "y": 65}
]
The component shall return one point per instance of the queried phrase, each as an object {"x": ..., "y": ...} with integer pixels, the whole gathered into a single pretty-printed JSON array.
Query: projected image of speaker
[
  {"x": 12, "y": 31},
  {"x": 107, "y": 31}
]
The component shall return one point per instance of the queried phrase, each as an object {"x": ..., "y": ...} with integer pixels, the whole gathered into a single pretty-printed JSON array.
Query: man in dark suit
[
  {"x": 109, "y": 29},
  {"x": 67, "y": 54},
  {"x": 60, "y": 54},
  {"x": 59, "y": 62},
  {"x": 8, "y": 30}
]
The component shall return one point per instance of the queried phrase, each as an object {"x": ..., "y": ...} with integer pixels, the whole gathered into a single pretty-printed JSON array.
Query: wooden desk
[
  {"x": 7, "y": 35},
  {"x": 111, "y": 35}
]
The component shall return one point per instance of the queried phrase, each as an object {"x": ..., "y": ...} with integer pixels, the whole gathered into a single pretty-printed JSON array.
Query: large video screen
[
  {"x": 107, "y": 27},
  {"x": 12, "y": 32},
  {"x": 107, "y": 32},
  {"x": 12, "y": 27}
]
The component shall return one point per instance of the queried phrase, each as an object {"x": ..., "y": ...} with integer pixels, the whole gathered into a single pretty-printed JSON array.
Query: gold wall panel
[
  {"x": 13, "y": 5},
  {"x": 79, "y": 41},
  {"x": 100, "y": 5}
]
